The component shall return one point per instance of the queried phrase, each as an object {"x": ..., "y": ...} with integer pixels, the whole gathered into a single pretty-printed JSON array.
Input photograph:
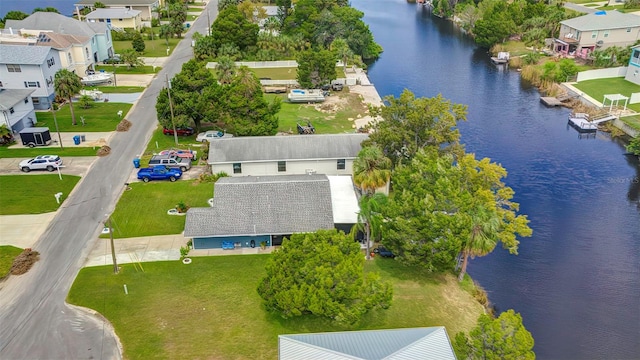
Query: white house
[
  {"x": 147, "y": 8},
  {"x": 330, "y": 154},
  {"x": 16, "y": 109},
  {"x": 30, "y": 67},
  {"x": 98, "y": 33},
  {"x": 117, "y": 18}
]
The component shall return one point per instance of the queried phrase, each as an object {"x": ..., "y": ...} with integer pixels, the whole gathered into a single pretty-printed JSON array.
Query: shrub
[
  {"x": 86, "y": 102},
  {"x": 184, "y": 251}
]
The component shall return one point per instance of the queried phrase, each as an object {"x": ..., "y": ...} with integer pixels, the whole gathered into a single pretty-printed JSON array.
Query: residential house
[
  {"x": 147, "y": 8},
  {"x": 17, "y": 109},
  {"x": 430, "y": 343},
  {"x": 116, "y": 18},
  {"x": 582, "y": 35},
  {"x": 633, "y": 71},
  {"x": 74, "y": 50},
  {"x": 247, "y": 211},
  {"x": 30, "y": 67},
  {"x": 331, "y": 154},
  {"x": 98, "y": 33}
]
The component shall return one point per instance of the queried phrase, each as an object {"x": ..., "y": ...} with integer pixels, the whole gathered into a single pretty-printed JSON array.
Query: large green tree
[
  {"x": 496, "y": 339},
  {"x": 316, "y": 68},
  {"x": 226, "y": 69},
  {"x": 231, "y": 27},
  {"x": 15, "y": 15},
  {"x": 322, "y": 274},
  {"x": 496, "y": 24},
  {"x": 67, "y": 84},
  {"x": 371, "y": 169},
  {"x": 409, "y": 124},
  {"x": 370, "y": 218}
]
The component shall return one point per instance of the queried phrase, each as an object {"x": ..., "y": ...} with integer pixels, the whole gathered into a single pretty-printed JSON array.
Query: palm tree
[
  {"x": 371, "y": 169},
  {"x": 369, "y": 218},
  {"x": 340, "y": 47},
  {"x": 226, "y": 69},
  {"x": 67, "y": 84},
  {"x": 483, "y": 237},
  {"x": 165, "y": 32}
]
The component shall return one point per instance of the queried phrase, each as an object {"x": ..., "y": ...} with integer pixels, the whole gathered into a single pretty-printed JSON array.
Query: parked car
[
  {"x": 187, "y": 154},
  {"x": 115, "y": 59},
  {"x": 384, "y": 252},
  {"x": 212, "y": 135},
  {"x": 336, "y": 87},
  {"x": 159, "y": 172},
  {"x": 182, "y": 131},
  {"x": 42, "y": 162},
  {"x": 171, "y": 161}
]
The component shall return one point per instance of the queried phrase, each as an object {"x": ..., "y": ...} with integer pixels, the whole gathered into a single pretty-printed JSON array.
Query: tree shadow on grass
[{"x": 391, "y": 269}]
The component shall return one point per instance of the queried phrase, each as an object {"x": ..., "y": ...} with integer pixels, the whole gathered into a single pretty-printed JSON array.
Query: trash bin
[
  {"x": 76, "y": 139},
  {"x": 82, "y": 138},
  {"x": 136, "y": 163}
]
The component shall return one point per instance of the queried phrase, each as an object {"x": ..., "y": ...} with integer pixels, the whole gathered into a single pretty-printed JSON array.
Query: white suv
[{"x": 42, "y": 162}]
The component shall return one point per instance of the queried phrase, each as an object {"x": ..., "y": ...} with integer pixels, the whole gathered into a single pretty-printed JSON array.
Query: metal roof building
[{"x": 394, "y": 344}]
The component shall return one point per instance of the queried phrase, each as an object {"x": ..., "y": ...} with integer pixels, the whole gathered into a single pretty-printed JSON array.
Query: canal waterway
[{"x": 576, "y": 282}]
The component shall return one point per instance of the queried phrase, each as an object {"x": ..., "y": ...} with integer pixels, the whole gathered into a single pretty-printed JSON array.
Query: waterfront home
[
  {"x": 30, "y": 67},
  {"x": 16, "y": 109},
  {"x": 147, "y": 8},
  {"x": 582, "y": 35},
  {"x": 116, "y": 18},
  {"x": 633, "y": 71},
  {"x": 98, "y": 33}
]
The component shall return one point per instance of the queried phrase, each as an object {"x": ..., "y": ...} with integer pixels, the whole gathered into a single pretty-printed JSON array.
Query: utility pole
[
  {"x": 175, "y": 132},
  {"x": 55, "y": 121},
  {"x": 113, "y": 250},
  {"x": 209, "y": 21}
]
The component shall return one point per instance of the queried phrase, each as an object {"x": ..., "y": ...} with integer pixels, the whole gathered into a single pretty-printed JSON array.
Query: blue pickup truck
[{"x": 159, "y": 172}]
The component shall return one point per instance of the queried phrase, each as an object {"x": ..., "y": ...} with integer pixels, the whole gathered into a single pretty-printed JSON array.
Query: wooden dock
[
  {"x": 583, "y": 123},
  {"x": 550, "y": 101}
]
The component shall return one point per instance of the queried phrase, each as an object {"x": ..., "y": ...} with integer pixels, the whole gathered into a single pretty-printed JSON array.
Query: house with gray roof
[
  {"x": 247, "y": 211},
  {"x": 16, "y": 109},
  {"x": 429, "y": 343},
  {"x": 116, "y": 18},
  {"x": 596, "y": 31},
  {"x": 31, "y": 68},
  {"x": 146, "y": 7},
  {"x": 330, "y": 154},
  {"x": 101, "y": 43}
]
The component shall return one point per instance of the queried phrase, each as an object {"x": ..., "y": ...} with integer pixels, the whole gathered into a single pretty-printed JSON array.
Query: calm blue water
[
  {"x": 577, "y": 280},
  {"x": 64, "y": 6}
]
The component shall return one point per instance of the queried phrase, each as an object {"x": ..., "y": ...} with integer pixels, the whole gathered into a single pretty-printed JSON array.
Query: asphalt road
[{"x": 35, "y": 321}]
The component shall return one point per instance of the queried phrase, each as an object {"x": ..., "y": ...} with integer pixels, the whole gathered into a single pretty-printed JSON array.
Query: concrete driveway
[{"x": 77, "y": 166}]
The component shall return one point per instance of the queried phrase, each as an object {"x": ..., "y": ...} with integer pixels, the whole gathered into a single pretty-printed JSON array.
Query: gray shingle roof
[
  {"x": 23, "y": 54},
  {"x": 609, "y": 20},
  {"x": 10, "y": 97},
  {"x": 264, "y": 205},
  {"x": 412, "y": 343},
  {"x": 294, "y": 147},
  {"x": 117, "y": 2},
  {"x": 57, "y": 23},
  {"x": 60, "y": 41},
  {"x": 113, "y": 14}
]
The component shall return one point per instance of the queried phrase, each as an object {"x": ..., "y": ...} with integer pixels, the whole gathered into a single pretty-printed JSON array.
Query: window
[
  {"x": 635, "y": 57},
  {"x": 13, "y": 68},
  {"x": 86, "y": 50},
  {"x": 282, "y": 166},
  {"x": 237, "y": 168},
  {"x": 11, "y": 111},
  {"x": 35, "y": 101},
  {"x": 29, "y": 84},
  {"x": 69, "y": 58},
  {"x": 341, "y": 164},
  {"x": 628, "y": 29},
  {"x": 50, "y": 62},
  {"x": 594, "y": 34},
  {"x": 606, "y": 33}
]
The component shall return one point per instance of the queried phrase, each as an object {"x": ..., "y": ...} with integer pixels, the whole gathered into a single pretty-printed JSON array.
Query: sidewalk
[
  {"x": 141, "y": 249},
  {"x": 23, "y": 230},
  {"x": 92, "y": 139}
]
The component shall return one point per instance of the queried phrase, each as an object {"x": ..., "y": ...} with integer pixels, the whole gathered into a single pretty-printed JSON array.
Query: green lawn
[
  {"x": 125, "y": 70},
  {"x": 33, "y": 194},
  {"x": 325, "y": 123},
  {"x": 117, "y": 89},
  {"x": 142, "y": 211},
  {"x": 194, "y": 9},
  {"x": 598, "y": 88},
  {"x": 153, "y": 48},
  {"x": 210, "y": 308},
  {"x": 33, "y": 152},
  {"x": 633, "y": 121},
  {"x": 101, "y": 117},
  {"x": 289, "y": 73},
  {"x": 7, "y": 254}
]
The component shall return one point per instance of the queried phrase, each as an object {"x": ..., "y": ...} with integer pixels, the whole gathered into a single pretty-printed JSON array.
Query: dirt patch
[
  {"x": 104, "y": 151},
  {"x": 23, "y": 262},
  {"x": 124, "y": 125}
]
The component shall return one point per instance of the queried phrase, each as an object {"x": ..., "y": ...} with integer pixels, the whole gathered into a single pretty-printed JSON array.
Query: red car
[
  {"x": 182, "y": 131},
  {"x": 188, "y": 154}
]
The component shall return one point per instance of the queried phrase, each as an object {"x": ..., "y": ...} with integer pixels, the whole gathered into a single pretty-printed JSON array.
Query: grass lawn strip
[
  {"x": 117, "y": 89},
  {"x": 211, "y": 309},
  {"x": 33, "y": 194},
  {"x": 7, "y": 254},
  {"x": 125, "y": 70},
  {"x": 153, "y": 48},
  {"x": 633, "y": 121},
  {"x": 101, "y": 117},
  {"x": 142, "y": 211},
  {"x": 600, "y": 87},
  {"x": 33, "y": 152}
]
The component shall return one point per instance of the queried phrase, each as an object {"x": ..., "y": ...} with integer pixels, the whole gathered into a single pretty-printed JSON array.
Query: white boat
[
  {"x": 305, "y": 96},
  {"x": 98, "y": 78}
]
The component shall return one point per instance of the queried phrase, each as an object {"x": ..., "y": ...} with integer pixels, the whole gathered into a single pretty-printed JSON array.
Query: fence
[
  {"x": 602, "y": 73},
  {"x": 260, "y": 64},
  {"x": 635, "y": 98}
]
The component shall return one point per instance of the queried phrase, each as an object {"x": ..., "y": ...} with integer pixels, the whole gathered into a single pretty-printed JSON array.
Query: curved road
[{"x": 35, "y": 321}]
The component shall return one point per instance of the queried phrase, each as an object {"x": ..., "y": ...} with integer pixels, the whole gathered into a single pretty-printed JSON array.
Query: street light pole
[
  {"x": 175, "y": 132},
  {"x": 55, "y": 121},
  {"x": 209, "y": 21}
]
